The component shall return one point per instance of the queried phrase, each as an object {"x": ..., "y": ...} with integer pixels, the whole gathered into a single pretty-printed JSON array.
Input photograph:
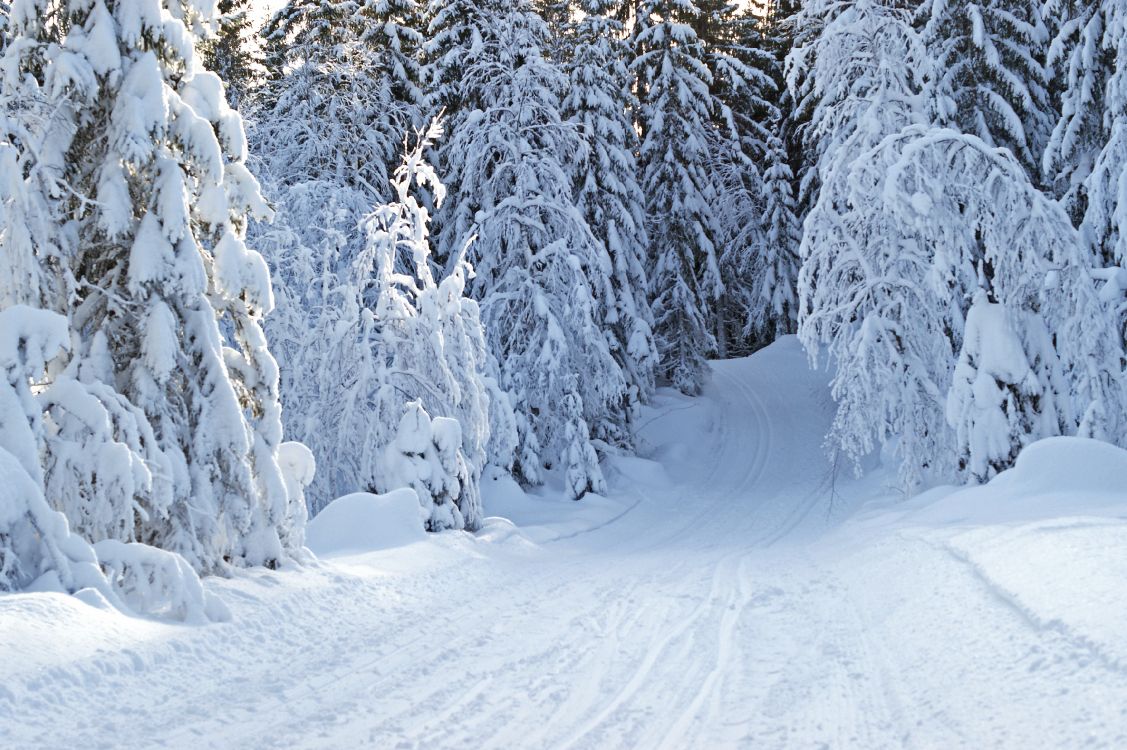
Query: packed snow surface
[{"x": 734, "y": 590}]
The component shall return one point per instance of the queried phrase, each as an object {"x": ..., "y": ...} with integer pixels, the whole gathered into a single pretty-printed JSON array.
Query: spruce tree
[
  {"x": 234, "y": 52},
  {"x": 1087, "y": 153},
  {"x": 164, "y": 299},
  {"x": 598, "y": 103},
  {"x": 675, "y": 118},
  {"x": 990, "y": 78},
  {"x": 542, "y": 277}
]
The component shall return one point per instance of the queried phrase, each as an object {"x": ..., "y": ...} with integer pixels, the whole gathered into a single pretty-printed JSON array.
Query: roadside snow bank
[
  {"x": 1055, "y": 476},
  {"x": 1050, "y": 538},
  {"x": 363, "y": 522}
]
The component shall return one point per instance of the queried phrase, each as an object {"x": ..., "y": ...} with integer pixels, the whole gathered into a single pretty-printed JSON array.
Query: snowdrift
[
  {"x": 1048, "y": 537},
  {"x": 1062, "y": 475},
  {"x": 364, "y": 522}
]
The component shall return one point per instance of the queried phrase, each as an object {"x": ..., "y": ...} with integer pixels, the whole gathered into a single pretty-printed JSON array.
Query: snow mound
[
  {"x": 1070, "y": 465},
  {"x": 1046, "y": 537},
  {"x": 1054, "y": 477},
  {"x": 363, "y": 522}
]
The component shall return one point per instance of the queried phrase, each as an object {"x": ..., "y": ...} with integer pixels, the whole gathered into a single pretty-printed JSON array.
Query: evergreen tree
[
  {"x": 234, "y": 53},
  {"x": 454, "y": 44},
  {"x": 755, "y": 191},
  {"x": 598, "y": 103},
  {"x": 1088, "y": 148},
  {"x": 773, "y": 305},
  {"x": 990, "y": 79},
  {"x": 1006, "y": 388},
  {"x": 541, "y": 276},
  {"x": 676, "y": 122},
  {"x": 163, "y": 298},
  {"x": 344, "y": 89},
  {"x": 5, "y": 22},
  {"x": 34, "y": 540}
]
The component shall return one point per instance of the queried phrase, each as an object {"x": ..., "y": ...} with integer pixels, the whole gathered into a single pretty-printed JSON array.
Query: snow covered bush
[
  {"x": 158, "y": 583},
  {"x": 1006, "y": 388},
  {"x": 298, "y": 469},
  {"x": 104, "y": 469},
  {"x": 426, "y": 455}
]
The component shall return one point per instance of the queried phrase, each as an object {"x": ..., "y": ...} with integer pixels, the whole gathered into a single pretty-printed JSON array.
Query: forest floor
[{"x": 735, "y": 590}]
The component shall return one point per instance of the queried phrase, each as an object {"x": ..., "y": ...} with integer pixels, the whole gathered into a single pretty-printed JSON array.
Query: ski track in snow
[{"x": 732, "y": 606}]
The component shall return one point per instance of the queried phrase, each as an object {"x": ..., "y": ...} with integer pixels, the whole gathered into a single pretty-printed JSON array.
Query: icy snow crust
[{"x": 732, "y": 590}]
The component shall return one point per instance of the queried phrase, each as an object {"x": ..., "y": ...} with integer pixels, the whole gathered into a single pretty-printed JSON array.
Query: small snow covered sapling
[
  {"x": 581, "y": 462},
  {"x": 1005, "y": 388},
  {"x": 426, "y": 456},
  {"x": 298, "y": 469}
]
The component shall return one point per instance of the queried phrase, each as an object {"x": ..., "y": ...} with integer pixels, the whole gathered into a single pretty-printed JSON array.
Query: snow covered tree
[
  {"x": 433, "y": 348},
  {"x": 598, "y": 103},
  {"x": 775, "y": 305},
  {"x": 37, "y": 548},
  {"x": 754, "y": 191},
  {"x": 455, "y": 33},
  {"x": 930, "y": 219},
  {"x": 426, "y": 455},
  {"x": 1005, "y": 388},
  {"x": 862, "y": 287},
  {"x": 990, "y": 80},
  {"x": 366, "y": 343},
  {"x": 34, "y": 540},
  {"x": 676, "y": 120},
  {"x": 5, "y": 12},
  {"x": 234, "y": 53},
  {"x": 344, "y": 89},
  {"x": 142, "y": 197},
  {"x": 542, "y": 278},
  {"x": 298, "y": 469},
  {"x": 1088, "y": 148},
  {"x": 582, "y": 473}
]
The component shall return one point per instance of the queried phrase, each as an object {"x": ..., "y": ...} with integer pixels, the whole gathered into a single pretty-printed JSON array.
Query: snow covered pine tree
[
  {"x": 544, "y": 281},
  {"x": 162, "y": 298},
  {"x": 675, "y": 120}
]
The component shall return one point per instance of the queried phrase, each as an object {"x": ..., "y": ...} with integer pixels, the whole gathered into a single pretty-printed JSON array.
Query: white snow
[
  {"x": 362, "y": 522},
  {"x": 733, "y": 590}
]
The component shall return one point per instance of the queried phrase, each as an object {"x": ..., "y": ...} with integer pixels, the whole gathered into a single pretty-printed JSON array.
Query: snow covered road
[{"x": 744, "y": 595}]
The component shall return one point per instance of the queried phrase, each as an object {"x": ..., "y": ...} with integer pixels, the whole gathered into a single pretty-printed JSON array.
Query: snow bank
[
  {"x": 1048, "y": 538},
  {"x": 1052, "y": 477},
  {"x": 363, "y": 522}
]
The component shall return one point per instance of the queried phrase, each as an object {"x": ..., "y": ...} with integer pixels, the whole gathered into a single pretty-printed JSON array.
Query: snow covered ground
[{"x": 735, "y": 591}]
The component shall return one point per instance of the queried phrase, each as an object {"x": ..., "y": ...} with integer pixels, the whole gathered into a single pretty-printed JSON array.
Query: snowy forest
[{"x": 255, "y": 257}]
